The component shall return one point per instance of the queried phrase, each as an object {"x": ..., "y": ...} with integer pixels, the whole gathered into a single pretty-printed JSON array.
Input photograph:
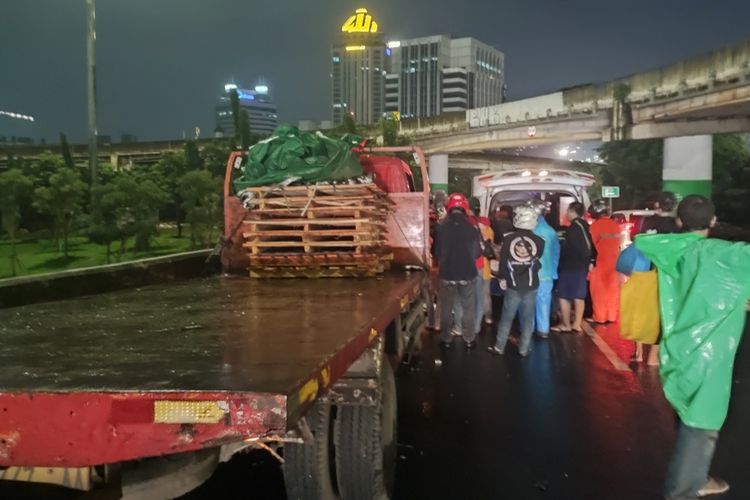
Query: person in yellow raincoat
[{"x": 704, "y": 285}]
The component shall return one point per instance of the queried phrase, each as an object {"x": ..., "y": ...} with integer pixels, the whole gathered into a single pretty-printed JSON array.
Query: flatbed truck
[{"x": 141, "y": 392}]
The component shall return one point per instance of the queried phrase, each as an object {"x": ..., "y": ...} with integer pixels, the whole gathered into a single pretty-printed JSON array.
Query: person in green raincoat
[{"x": 704, "y": 285}]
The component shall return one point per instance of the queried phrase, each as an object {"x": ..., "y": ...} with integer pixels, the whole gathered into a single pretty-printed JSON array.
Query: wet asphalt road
[{"x": 564, "y": 423}]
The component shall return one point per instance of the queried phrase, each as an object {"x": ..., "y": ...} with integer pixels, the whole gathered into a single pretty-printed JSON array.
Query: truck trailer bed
[{"x": 180, "y": 366}]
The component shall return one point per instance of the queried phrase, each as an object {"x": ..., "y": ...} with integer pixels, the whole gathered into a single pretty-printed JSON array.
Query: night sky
[{"x": 163, "y": 63}]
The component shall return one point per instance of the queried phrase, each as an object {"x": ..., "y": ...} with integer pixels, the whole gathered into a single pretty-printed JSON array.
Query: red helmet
[{"x": 457, "y": 200}]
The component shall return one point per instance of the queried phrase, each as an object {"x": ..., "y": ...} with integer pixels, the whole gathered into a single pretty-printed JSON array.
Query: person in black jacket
[
  {"x": 457, "y": 248},
  {"x": 576, "y": 259},
  {"x": 519, "y": 277}
]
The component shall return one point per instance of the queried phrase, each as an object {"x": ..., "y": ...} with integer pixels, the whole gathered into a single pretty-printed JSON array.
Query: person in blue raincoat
[
  {"x": 704, "y": 285},
  {"x": 548, "y": 274}
]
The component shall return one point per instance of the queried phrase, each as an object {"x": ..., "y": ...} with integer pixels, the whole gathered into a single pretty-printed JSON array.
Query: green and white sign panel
[{"x": 610, "y": 191}]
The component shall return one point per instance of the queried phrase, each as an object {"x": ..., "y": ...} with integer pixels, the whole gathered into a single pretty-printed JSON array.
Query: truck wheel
[
  {"x": 366, "y": 445},
  {"x": 307, "y": 466}
]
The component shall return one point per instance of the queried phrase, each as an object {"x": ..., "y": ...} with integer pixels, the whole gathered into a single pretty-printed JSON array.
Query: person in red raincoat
[{"x": 604, "y": 281}]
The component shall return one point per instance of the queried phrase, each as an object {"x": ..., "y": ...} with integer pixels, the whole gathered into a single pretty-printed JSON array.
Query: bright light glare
[
  {"x": 526, "y": 173},
  {"x": 543, "y": 173},
  {"x": 394, "y": 44},
  {"x": 230, "y": 86},
  {"x": 261, "y": 89},
  {"x": 563, "y": 152}
]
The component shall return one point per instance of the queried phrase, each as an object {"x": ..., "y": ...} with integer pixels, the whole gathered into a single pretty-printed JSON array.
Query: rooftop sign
[{"x": 360, "y": 22}]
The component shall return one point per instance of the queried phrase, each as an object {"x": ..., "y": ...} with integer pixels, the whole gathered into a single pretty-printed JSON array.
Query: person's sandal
[
  {"x": 495, "y": 350},
  {"x": 560, "y": 329},
  {"x": 714, "y": 486}
]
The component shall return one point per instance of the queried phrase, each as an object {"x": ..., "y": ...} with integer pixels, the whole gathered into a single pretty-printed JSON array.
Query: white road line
[{"x": 604, "y": 347}]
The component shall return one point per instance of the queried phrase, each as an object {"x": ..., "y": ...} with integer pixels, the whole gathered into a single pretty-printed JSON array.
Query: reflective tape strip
[{"x": 189, "y": 412}]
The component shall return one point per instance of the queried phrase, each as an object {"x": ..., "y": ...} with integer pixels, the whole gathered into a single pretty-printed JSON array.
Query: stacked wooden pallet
[{"x": 317, "y": 231}]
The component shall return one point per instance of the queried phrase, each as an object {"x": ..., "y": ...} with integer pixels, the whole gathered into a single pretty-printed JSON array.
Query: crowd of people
[
  {"x": 703, "y": 295},
  {"x": 518, "y": 255}
]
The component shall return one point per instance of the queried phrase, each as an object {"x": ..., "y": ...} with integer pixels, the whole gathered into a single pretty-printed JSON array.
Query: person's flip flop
[{"x": 560, "y": 329}]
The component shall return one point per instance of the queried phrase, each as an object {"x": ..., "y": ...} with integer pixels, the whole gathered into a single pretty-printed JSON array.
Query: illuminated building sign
[
  {"x": 352, "y": 48},
  {"x": 360, "y": 22}
]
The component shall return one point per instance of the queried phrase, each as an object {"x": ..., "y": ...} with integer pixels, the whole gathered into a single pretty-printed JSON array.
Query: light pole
[{"x": 91, "y": 86}]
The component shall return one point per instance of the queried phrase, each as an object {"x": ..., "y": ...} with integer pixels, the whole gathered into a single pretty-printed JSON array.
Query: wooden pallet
[
  {"x": 317, "y": 231},
  {"x": 318, "y": 265}
]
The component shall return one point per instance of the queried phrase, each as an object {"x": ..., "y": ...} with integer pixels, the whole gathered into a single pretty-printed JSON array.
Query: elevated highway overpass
[{"x": 703, "y": 95}]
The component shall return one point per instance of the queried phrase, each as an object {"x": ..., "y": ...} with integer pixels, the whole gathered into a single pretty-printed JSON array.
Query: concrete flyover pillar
[
  {"x": 438, "y": 165},
  {"x": 688, "y": 165}
]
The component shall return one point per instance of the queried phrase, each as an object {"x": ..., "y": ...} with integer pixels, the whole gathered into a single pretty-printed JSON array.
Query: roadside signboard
[{"x": 610, "y": 191}]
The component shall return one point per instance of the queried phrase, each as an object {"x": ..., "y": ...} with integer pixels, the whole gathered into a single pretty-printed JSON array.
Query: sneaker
[
  {"x": 524, "y": 353},
  {"x": 542, "y": 335},
  {"x": 488, "y": 321},
  {"x": 471, "y": 345},
  {"x": 714, "y": 486},
  {"x": 445, "y": 345},
  {"x": 495, "y": 350},
  {"x": 455, "y": 332}
]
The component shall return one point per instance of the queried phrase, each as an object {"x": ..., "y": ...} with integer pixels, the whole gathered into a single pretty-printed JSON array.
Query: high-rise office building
[
  {"x": 260, "y": 109},
  {"x": 436, "y": 74},
  {"x": 358, "y": 67}
]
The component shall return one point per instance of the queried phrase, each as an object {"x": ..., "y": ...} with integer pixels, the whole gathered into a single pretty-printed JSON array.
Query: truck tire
[
  {"x": 366, "y": 445},
  {"x": 307, "y": 466}
]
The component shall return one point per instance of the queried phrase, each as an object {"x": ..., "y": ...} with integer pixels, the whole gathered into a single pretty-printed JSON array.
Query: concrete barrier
[{"x": 100, "y": 279}]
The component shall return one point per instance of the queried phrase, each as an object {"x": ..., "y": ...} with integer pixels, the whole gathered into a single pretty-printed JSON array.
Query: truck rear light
[{"x": 190, "y": 412}]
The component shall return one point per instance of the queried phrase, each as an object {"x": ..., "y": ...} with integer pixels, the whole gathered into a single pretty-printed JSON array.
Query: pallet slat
[{"x": 317, "y": 231}]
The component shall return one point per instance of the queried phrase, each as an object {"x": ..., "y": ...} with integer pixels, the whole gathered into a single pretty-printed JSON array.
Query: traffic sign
[
  {"x": 610, "y": 191},
  {"x": 532, "y": 131}
]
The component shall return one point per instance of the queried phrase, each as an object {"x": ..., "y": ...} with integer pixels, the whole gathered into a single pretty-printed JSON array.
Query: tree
[
  {"x": 15, "y": 188},
  {"x": 389, "y": 131},
  {"x": 193, "y": 160},
  {"x": 41, "y": 170},
  {"x": 202, "y": 196},
  {"x": 731, "y": 177},
  {"x": 63, "y": 200},
  {"x": 348, "y": 126},
  {"x": 246, "y": 138},
  {"x": 635, "y": 166},
  {"x": 135, "y": 205},
  {"x": 65, "y": 148},
  {"x": 104, "y": 228},
  {"x": 215, "y": 156},
  {"x": 234, "y": 102},
  {"x": 169, "y": 170}
]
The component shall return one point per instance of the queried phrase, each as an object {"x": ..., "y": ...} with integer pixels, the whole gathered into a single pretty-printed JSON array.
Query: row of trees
[
  {"x": 53, "y": 194},
  {"x": 636, "y": 166}
]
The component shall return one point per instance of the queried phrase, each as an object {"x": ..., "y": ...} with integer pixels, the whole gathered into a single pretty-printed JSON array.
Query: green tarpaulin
[
  {"x": 703, "y": 288},
  {"x": 313, "y": 157}
]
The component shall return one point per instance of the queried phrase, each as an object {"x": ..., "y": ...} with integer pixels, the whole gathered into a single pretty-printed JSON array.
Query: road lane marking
[{"x": 605, "y": 349}]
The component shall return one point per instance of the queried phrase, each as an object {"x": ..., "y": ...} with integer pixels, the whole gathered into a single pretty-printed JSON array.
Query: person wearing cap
[
  {"x": 604, "y": 281},
  {"x": 548, "y": 273},
  {"x": 519, "y": 276},
  {"x": 457, "y": 249}
]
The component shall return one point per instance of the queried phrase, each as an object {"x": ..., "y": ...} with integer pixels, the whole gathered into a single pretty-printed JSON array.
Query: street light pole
[{"x": 91, "y": 86}]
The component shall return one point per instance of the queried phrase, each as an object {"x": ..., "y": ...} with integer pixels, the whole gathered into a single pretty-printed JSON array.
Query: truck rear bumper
[{"x": 80, "y": 429}]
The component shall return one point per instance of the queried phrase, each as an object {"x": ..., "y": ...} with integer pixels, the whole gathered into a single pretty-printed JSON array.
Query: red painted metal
[
  {"x": 77, "y": 428},
  {"x": 233, "y": 256},
  {"x": 87, "y": 428}
]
